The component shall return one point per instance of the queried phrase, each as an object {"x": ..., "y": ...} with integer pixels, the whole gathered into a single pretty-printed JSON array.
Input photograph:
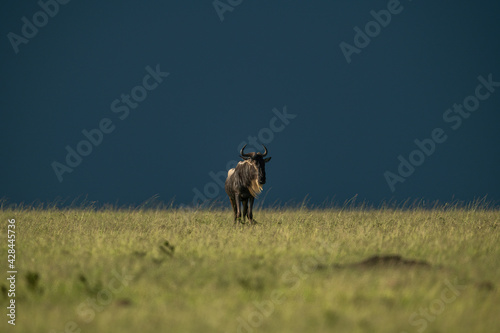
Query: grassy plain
[{"x": 299, "y": 270}]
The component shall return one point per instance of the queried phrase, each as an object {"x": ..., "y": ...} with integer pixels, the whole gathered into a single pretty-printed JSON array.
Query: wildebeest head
[{"x": 259, "y": 161}]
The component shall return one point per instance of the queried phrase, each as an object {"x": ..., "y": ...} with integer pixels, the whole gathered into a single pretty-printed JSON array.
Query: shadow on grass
[{"x": 392, "y": 260}]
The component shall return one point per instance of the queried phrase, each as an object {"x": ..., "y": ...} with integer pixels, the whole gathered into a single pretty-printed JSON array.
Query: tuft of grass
[
  {"x": 32, "y": 279},
  {"x": 356, "y": 269}
]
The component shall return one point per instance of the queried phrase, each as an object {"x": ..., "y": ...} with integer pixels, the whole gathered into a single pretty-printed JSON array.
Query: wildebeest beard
[{"x": 248, "y": 177}]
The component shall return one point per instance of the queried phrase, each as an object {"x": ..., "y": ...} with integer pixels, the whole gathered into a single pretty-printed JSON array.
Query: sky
[{"x": 122, "y": 101}]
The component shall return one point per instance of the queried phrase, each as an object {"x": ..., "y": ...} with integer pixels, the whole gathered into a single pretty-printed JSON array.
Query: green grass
[{"x": 297, "y": 271}]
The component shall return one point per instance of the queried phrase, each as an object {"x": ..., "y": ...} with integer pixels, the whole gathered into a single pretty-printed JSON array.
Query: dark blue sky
[{"x": 337, "y": 130}]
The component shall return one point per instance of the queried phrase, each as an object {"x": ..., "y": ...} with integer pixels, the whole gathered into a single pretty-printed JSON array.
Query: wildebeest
[{"x": 244, "y": 182}]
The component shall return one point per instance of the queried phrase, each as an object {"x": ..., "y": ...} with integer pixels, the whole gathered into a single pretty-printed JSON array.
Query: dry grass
[{"x": 299, "y": 270}]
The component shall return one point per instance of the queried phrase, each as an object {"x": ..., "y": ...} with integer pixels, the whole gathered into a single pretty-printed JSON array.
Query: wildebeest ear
[
  {"x": 267, "y": 159},
  {"x": 244, "y": 157}
]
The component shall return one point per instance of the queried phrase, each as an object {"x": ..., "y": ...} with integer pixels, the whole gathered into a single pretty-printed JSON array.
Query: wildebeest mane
[{"x": 245, "y": 175}]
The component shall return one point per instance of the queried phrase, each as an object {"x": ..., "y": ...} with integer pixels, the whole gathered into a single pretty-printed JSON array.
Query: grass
[{"x": 299, "y": 270}]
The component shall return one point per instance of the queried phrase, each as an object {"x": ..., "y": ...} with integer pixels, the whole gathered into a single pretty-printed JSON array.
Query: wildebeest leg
[
  {"x": 233, "y": 204},
  {"x": 245, "y": 208},
  {"x": 250, "y": 210},
  {"x": 238, "y": 207}
]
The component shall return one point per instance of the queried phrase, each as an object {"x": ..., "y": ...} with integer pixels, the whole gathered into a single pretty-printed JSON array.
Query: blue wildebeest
[{"x": 244, "y": 182}]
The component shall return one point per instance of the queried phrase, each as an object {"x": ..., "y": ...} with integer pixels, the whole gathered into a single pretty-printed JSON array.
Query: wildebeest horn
[
  {"x": 243, "y": 154},
  {"x": 265, "y": 151}
]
